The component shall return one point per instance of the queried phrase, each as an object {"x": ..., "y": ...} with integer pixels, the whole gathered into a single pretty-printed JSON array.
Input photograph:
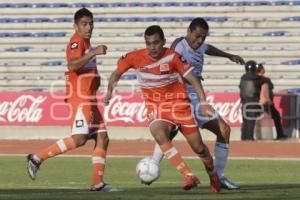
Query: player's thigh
[{"x": 160, "y": 130}]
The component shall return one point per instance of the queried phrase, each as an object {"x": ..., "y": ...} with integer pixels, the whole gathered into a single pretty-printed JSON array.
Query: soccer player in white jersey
[{"x": 192, "y": 49}]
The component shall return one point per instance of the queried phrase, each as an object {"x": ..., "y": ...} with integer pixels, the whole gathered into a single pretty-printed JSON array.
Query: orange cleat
[{"x": 191, "y": 181}]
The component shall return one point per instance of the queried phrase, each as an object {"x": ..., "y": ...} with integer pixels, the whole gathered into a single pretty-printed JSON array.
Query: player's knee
[{"x": 79, "y": 140}]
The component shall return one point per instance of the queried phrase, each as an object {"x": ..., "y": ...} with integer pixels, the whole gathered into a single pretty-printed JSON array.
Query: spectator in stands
[
  {"x": 192, "y": 48},
  {"x": 82, "y": 83},
  {"x": 269, "y": 105},
  {"x": 253, "y": 89},
  {"x": 160, "y": 70}
]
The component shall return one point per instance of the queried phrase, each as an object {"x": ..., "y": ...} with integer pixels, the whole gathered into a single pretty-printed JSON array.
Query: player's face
[
  {"x": 85, "y": 27},
  {"x": 196, "y": 37},
  {"x": 155, "y": 45}
]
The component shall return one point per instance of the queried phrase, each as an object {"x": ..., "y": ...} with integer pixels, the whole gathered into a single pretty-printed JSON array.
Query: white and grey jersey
[{"x": 187, "y": 53}]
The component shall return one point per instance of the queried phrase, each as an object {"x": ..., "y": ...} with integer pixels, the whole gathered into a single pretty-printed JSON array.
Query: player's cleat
[
  {"x": 32, "y": 166},
  {"x": 226, "y": 184},
  {"x": 191, "y": 181},
  {"x": 215, "y": 184},
  {"x": 105, "y": 188}
]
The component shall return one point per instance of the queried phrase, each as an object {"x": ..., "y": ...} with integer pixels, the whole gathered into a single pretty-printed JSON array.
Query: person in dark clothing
[
  {"x": 269, "y": 106},
  {"x": 250, "y": 89}
]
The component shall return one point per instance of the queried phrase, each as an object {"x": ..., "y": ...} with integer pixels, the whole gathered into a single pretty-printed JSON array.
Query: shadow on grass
[{"x": 247, "y": 192}]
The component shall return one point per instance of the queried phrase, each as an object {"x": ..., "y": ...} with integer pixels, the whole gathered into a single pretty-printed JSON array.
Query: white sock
[
  {"x": 157, "y": 153},
  {"x": 221, "y": 156}
]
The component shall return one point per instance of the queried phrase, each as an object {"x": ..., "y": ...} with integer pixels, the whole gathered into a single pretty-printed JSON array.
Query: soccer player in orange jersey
[
  {"x": 160, "y": 72},
  {"x": 82, "y": 83}
]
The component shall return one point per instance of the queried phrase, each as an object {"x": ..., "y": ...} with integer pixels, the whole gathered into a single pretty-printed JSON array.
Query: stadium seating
[{"x": 33, "y": 37}]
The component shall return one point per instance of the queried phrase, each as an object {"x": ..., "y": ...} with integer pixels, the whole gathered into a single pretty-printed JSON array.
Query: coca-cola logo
[
  {"x": 230, "y": 111},
  {"x": 25, "y": 108},
  {"x": 128, "y": 112}
]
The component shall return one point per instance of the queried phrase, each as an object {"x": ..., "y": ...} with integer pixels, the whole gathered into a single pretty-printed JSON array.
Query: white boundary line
[{"x": 185, "y": 157}]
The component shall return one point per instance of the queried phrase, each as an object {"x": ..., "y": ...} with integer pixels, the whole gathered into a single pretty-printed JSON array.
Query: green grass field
[{"x": 69, "y": 178}]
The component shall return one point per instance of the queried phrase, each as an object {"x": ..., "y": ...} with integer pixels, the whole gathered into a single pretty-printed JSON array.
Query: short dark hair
[
  {"x": 198, "y": 22},
  {"x": 82, "y": 12},
  {"x": 151, "y": 30}
]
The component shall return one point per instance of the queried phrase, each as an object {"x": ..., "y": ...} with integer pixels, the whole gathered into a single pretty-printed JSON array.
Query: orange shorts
[
  {"x": 176, "y": 118},
  {"x": 86, "y": 118}
]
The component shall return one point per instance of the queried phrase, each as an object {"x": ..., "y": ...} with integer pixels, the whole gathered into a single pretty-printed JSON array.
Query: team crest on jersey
[
  {"x": 74, "y": 45},
  {"x": 164, "y": 67},
  {"x": 79, "y": 123}
]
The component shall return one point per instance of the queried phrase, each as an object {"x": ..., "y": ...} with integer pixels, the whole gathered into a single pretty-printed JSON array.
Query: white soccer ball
[{"x": 148, "y": 170}]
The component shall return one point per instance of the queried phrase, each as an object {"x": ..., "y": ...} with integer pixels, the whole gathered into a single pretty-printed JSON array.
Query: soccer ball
[{"x": 148, "y": 170}]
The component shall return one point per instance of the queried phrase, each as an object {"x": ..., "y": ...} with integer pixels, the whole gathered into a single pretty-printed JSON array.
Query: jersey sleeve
[
  {"x": 75, "y": 49},
  {"x": 204, "y": 47},
  {"x": 124, "y": 63},
  {"x": 182, "y": 67}
]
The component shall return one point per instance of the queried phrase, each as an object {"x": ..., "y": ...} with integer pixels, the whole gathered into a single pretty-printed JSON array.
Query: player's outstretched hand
[
  {"x": 106, "y": 99},
  {"x": 206, "y": 110},
  {"x": 100, "y": 50},
  {"x": 237, "y": 59}
]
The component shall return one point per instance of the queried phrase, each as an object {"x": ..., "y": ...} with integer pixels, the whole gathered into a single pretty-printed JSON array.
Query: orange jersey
[
  {"x": 83, "y": 84},
  {"x": 159, "y": 79}
]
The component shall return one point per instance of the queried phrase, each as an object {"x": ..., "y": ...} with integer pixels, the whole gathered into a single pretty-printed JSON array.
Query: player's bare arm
[
  {"x": 264, "y": 95},
  {"x": 206, "y": 109},
  {"x": 214, "y": 51},
  {"x": 76, "y": 64},
  {"x": 113, "y": 81}
]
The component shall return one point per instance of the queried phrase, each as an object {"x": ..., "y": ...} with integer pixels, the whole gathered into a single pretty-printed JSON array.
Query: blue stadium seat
[
  {"x": 139, "y": 34},
  {"x": 152, "y": 19},
  {"x": 261, "y": 3},
  {"x": 6, "y": 20},
  {"x": 6, "y": 34},
  {"x": 291, "y": 62},
  {"x": 275, "y": 33},
  {"x": 41, "y": 5},
  {"x": 34, "y": 90},
  {"x": 172, "y": 4},
  {"x": 98, "y": 5},
  {"x": 219, "y": 19},
  {"x": 5, "y": 5},
  {"x": 224, "y": 3},
  {"x": 206, "y": 4},
  {"x": 294, "y": 18},
  {"x": 43, "y": 34},
  {"x": 187, "y": 19},
  {"x": 281, "y": 3},
  {"x": 81, "y": 5},
  {"x": 22, "y": 20},
  {"x": 59, "y": 5},
  {"x": 22, "y": 5},
  {"x": 101, "y": 19},
  {"x": 19, "y": 49},
  {"x": 118, "y": 4},
  {"x": 117, "y": 19},
  {"x": 153, "y": 4},
  {"x": 170, "y": 19},
  {"x": 22, "y": 34},
  {"x": 293, "y": 90},
  {"x": 41, "y": 19},
  {"x": 128, "y": 77},
  {"x": 295, "y": 3},
  {"x": 136, "y": 19},
  {"x": 189, "y": 4},
  {"x": 135, "y": 4},
  {"x": 52, "y": 63},
  {"x": 62, "y": 19},
  {"x": 59, "y": 34},
  {"x": 243, "y": 3}
]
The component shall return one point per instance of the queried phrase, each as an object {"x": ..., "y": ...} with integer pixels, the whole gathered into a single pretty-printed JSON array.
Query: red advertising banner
[{"x": 125, "y": 109}]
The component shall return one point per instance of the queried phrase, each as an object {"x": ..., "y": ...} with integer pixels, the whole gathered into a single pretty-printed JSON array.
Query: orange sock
[
  {"x": 98, "y": 160},
  {"x": 175, "y": 158},
  {"x": 57, "y": 148}
]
